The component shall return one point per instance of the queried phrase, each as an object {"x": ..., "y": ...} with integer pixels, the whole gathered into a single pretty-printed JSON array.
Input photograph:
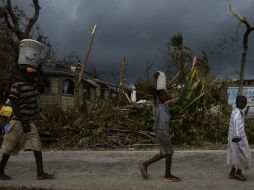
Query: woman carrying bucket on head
[{"x": 23, "y": 133}]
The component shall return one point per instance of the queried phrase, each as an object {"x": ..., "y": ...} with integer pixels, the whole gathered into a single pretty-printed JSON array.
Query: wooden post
[
  {"x": 87, "y": 52},
  {"x": 121, "y": 79},
  {"x": 83, "y": 64},
  {"x": 122, "y": 72}
]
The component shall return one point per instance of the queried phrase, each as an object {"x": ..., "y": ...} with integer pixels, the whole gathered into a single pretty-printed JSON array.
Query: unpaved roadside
[{"x": 92, "y": 170}]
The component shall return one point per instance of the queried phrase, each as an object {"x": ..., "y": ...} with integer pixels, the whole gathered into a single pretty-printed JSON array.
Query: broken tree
[
  {"x": 249, "y": 28},
  {"x": 81, "y": 74}
]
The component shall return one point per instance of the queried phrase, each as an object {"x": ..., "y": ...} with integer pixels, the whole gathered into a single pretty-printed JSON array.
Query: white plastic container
[
  {"x": 161, "y": 81},
  {"x": 133, "y": 95},
  {"x": 29, "y": 52}
]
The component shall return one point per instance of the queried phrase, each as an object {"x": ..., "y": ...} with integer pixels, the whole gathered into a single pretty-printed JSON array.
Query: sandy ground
[{"x": 92, "y": 170}]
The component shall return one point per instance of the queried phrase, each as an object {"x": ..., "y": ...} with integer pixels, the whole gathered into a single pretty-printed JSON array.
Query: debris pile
[{"x": 104, "y": 128}]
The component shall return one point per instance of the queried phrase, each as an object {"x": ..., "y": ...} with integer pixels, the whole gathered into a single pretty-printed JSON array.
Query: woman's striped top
[{"x": 25, "y": 93}]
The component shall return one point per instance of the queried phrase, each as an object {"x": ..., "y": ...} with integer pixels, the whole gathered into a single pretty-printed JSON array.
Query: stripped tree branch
[
  {"x": 33, "y": 19},
  {"x": 245, "y": 45},
  {"x": 11, "y": 13},
  {"x": 12, "y": 20},
  {"x": 235, "y": 14}
]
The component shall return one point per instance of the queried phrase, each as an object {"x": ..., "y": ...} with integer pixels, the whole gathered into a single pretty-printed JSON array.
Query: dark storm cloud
[{"x": 139, "y": 29}]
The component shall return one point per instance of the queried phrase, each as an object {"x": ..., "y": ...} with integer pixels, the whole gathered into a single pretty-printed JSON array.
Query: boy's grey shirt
[{"x": 161, "y": 116}]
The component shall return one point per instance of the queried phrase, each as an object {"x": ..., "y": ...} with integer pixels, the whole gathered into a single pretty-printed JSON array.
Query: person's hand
[
  {"x": 236, "y": 139},
  {"x": 41, "y": 116},
  {"x": 26, "y": 127},
  {"x": 247, "y": 110}
]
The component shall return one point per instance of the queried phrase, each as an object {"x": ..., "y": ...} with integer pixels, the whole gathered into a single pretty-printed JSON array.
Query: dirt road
[{"x": 112, "y": 170}]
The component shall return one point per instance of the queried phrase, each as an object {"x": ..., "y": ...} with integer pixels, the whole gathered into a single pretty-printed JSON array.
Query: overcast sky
[{"x": 139, "y": 29}]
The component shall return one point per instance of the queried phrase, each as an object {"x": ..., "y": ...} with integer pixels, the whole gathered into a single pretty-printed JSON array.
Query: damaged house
[{"x": 59, "y": 86}]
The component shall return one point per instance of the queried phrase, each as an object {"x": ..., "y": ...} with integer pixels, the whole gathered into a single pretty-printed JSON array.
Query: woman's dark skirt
[{"x": 164, "y": 141}]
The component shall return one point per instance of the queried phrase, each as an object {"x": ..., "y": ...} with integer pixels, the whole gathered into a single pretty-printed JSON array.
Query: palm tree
[{"x": 179, "y": 56}]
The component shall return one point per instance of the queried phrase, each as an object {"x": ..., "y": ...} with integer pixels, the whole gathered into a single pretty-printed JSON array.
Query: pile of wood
[{"x": 108, "y": 127}]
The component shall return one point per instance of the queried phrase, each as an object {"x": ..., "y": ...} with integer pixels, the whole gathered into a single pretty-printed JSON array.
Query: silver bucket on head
[{"x": 29, "y": 52}]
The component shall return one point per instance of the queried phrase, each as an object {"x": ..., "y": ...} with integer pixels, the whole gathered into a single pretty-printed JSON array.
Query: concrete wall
[
  {"x": 45, "y": 100},
  {"x": 51, "y": 97},
  {"x": 67, "y": 101}
]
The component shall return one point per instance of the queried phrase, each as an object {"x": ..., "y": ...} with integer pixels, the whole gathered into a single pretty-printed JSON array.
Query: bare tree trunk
[
  {"x": 245, "y": 46},
  {"x": 12, "y": 20},
  {"x": 243, "y": 61}
]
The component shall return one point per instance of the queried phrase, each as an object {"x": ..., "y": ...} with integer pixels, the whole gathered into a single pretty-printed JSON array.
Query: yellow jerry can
[{"x": 6, "y": 111}]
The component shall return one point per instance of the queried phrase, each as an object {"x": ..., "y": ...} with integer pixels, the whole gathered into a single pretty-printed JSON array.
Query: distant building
[{"x": 246, "y": 82}]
